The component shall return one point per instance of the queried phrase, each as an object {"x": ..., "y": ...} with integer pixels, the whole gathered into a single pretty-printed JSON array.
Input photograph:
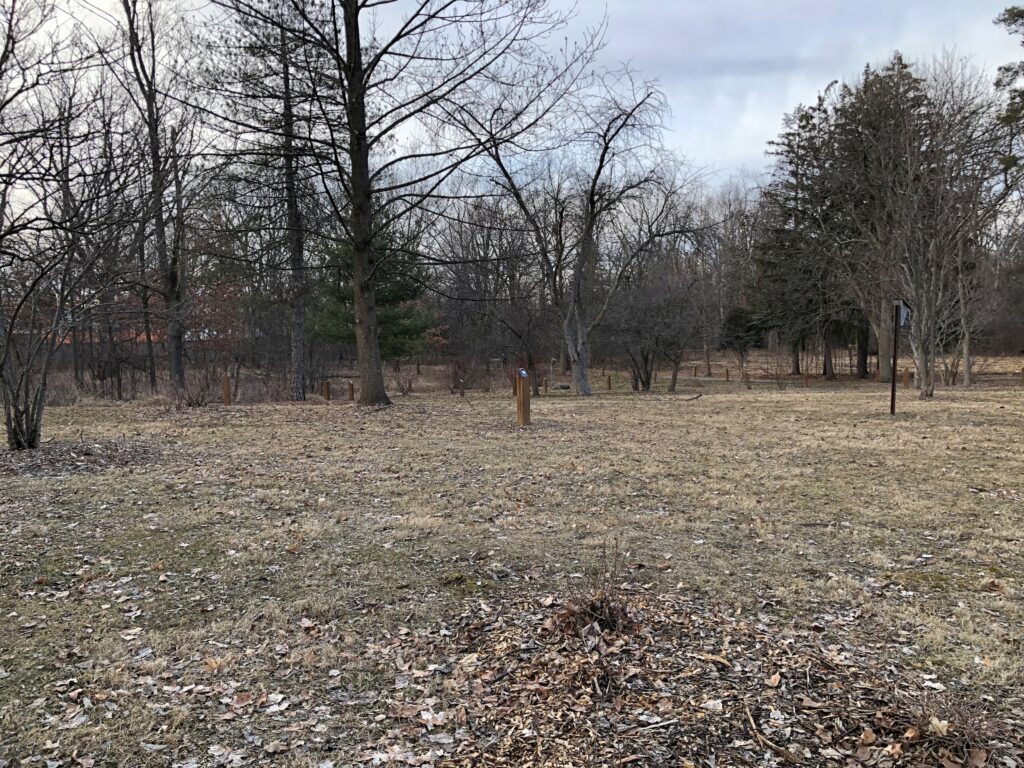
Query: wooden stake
[
  {"x": 726, "y": 374},
  {"x": 906, "y": 378},
  {"x": 327, "y": 391},
  {"x": 351, "y": 392},
  {"x": 523, "y": 398},
  {"x": 227, "y": 389},
  {"x": 609, "y": 382},
  {"x": 807, "y": 381},
  {"x": 695, "y": 371},
  {"x": 545, "y": 385}
]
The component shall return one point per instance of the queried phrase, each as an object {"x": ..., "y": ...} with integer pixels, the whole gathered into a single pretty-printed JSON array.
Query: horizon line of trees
[{"x": 272, "y": 183}]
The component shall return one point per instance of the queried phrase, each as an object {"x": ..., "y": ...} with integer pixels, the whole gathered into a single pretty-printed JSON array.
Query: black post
[{"x": 895, "y": 354}]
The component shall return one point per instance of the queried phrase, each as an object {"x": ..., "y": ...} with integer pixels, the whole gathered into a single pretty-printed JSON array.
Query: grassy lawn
[{"x": 297, "y": 584}]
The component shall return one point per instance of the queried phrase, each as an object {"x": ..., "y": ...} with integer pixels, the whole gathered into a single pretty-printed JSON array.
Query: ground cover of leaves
[{"x": 807, "y": 581}]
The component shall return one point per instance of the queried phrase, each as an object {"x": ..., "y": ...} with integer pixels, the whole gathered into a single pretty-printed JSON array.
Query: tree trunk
[
  {"x": 531, "y": 366},
  {"x": 863, "y": 339},
  {"x": 147, "y": 326},
  {"x": 174, "y": 288},
  {"x": 828, "y": 364},
  {"x": 924, "y": 346},
  {"x": 675, "y": 375},
  {"x": 578, "y": 349},
  {"x": 883, "y": 332},
  {"x": 76, "y": 356},
  {"x": 295, "y": 234},
  {"x": 965, "y": 331},
  {"x": 24, "y": 419},
  {"x": 364, "y": 258}
]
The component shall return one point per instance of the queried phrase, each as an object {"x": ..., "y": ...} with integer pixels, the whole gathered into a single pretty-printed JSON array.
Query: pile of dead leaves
[
  {"x": 64, "y": 458},
  {"x": 682, "y": 684}
]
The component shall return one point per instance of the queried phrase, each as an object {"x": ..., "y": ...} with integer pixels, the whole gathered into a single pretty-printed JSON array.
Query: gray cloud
[{"x": 732, "y": 68}]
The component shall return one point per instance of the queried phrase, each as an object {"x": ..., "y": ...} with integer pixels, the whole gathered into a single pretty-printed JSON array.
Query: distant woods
[{"x": 293, "y": 188}]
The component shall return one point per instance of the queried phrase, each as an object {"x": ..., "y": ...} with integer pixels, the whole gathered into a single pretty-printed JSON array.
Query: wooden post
[
  {"x": 523, "y": 398},
  {"x": 726, "y": 374},
  {"x": 695, "y": 371},
  {"x": 545, "y": 385},
  {"x": 609, "y": 382},
  {"x": 327, "y": 391},
  {"x": 227, "y": 389},
  {"x": 906, "y": 378},
  {"x": 807, "y": 381},
  {"x": 351, "y": 392}
]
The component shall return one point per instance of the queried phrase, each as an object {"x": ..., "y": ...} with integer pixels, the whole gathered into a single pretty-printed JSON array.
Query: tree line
[{"x": 274, "y": 184}]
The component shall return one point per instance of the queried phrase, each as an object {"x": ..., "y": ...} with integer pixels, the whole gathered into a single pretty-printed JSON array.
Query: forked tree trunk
[
  {"x": 24, "y": 419},
  {"x": 578, "y": 348}
]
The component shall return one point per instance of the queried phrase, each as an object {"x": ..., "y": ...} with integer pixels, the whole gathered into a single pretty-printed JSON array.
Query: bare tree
[
  {"x": 612, "y": 172},
  {"x": 151, "y": 68},
  {"x": 79, "y": 191},
  {"x": 393, "y": 93}
]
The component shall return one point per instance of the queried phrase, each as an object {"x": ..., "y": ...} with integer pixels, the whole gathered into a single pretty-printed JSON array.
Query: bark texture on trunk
[
  {"x": 295, "y": 234},
  {"x": 24, "y": 420},
  {"x": 578, "y": 349},
  {"x": 174, "y": 289},
  {"x": 372, "y": 390}
]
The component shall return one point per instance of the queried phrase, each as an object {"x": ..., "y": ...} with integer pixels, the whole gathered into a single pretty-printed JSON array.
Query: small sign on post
[
  {"x": 227, "y": 389},
  {"x": 523, "y": 397},
  {"x": 327, "y": 391}
]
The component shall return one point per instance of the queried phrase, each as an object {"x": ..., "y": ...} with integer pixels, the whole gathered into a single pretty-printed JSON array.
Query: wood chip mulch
[{"x": 676, "y": 682}]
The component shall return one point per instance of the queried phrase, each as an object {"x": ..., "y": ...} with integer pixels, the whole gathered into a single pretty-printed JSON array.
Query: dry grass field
[{"x": 803, "y": 580}]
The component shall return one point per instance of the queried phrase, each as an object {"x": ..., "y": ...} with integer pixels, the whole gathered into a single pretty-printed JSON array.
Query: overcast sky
[{"x": 732, "y": 68}]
